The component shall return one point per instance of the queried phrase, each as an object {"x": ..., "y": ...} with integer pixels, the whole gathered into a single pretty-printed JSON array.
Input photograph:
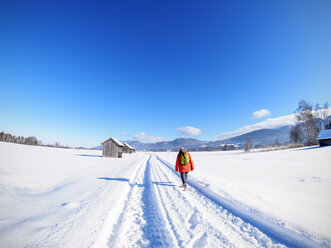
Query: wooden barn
[
  {"x": 112, "y": 148},
  {"x": 324, "y": 137},
  {"x": 128, "y": 149}
]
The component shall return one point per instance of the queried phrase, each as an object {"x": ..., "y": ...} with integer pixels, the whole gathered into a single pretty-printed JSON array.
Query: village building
[
  {"x": 324, "y": 137},
  {"x": 127, "y": 148},
  {"x": 112, "y": 148}
]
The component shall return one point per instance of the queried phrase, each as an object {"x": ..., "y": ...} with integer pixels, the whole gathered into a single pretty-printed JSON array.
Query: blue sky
[{"x": 79, "y": 72}]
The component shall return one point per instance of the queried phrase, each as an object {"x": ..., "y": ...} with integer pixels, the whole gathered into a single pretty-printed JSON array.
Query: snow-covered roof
[
  {"x": 324, "y": 134},
  {"x": 116, "y": 141},
  {"x": 130, "y": 147}
]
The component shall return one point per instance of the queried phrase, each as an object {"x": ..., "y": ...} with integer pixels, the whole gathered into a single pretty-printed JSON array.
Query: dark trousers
[{"x": 184, "y": 176}]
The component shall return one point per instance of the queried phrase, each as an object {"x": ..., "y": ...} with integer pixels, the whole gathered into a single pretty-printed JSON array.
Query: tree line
[
  {"x": 31, "y": 140},
  {"x": 7, "y": 137}
]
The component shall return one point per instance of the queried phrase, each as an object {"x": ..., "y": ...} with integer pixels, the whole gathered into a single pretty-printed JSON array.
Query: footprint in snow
[
  {"x": 70, "y": 205},
  {"x": 193, "y": 220},
  {"x": 201, "y": 242}
]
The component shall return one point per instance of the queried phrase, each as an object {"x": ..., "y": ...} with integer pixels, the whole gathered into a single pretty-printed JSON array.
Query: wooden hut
[
  {"x": 127, "y": 148},
  {"x": 324, "y": 137},
  {"x": 112, "y": 148}
]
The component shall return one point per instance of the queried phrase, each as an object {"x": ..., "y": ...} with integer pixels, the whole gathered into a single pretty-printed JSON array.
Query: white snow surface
[{"x": 53, "y": 197}]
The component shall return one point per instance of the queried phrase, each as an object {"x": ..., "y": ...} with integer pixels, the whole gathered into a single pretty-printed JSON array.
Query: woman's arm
[
  {"x": 191, "y": 161},
  {"x": 177, "y": 163}
]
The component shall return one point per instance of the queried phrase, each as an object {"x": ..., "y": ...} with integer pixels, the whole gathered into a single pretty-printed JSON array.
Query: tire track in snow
[
  {"x": 156, "y": 230},
  {"x": 116, "y": 213},
  {"x": 141, "y": 223},
  {"x": 116, "y": 236},
  {"x": 179, "y": 212},
  {"x": 273, "y": 230}
]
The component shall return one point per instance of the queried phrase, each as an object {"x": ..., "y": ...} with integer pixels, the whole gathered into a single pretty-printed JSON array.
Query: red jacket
[{"x": 184, "y": 167}]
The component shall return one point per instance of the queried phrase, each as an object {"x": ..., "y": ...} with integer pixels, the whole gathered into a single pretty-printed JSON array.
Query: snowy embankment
[
  {"x": 289, "y": 188},
  {"x": 53, "y": 197}
]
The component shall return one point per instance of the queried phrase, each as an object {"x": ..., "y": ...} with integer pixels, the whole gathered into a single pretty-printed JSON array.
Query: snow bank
[{"x": 55, "y": 197}]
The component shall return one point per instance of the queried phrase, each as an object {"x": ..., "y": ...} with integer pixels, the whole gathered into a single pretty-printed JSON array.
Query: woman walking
[{"x": 184, "y": 164}]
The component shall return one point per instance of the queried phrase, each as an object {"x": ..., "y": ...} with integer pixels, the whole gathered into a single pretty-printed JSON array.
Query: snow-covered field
[{"x": 53, "y": 197}]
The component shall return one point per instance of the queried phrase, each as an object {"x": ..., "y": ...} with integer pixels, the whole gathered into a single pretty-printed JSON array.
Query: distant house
[
  {"x": 324, "y": 137},
  {"x": 112, "y": 148},
  {"x": 127, "y": 148}
]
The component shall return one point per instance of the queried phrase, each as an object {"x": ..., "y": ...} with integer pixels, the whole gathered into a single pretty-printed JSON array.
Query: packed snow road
[{"x": 158, "y": 213}]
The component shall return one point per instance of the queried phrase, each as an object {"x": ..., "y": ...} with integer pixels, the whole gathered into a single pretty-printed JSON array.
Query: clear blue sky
[{"x": 79, "y": 72}]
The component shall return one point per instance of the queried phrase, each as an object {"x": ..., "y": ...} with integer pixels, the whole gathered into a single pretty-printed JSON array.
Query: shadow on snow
[
  {"x": 310, "y": 148},
  {"x": 89, "y": 155},
  {"x": 169, "y": 184}
]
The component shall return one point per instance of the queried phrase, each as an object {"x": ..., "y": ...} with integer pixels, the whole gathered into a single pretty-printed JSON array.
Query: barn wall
[
  {"x": 111, "y": 150},
  {"x": 119, "y": 151},
  {"x": 103, "y": 150},
  {"x": 106, "y": 150},
  {"x": 326, "y": 142},
  {"x": 126, "y": 149}
]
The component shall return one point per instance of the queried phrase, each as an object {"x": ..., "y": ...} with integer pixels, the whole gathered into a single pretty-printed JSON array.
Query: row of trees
[
  {"x": 7, "y": 137},
  {"x": 31, "y": 140},
  {"x": 309, "y": 120},
  {"x": 248, "y": 144}
]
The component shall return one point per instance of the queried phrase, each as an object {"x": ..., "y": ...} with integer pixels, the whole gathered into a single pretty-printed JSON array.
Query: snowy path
[{"x": 158, "y": 213}]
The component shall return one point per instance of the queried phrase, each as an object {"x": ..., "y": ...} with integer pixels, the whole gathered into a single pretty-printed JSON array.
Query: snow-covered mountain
[
  {"x": 258, "y": 137},
  {"x": 167, "y": 145}
]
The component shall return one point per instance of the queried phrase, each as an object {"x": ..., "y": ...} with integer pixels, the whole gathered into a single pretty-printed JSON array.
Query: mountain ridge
[{"x": 259, "y": 137}]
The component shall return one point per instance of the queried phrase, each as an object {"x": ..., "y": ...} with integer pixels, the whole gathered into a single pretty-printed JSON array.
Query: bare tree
[
  {"x": 295, "y": 135},
  {"x": 277, "y": 142},
  {"x": 305, "y": 115},
  {"x": 317, "y": 110},
  {"x": 248, "y": 145},
  {"x": 32, "y": 140},
  {"x": 324, "y": 114}
]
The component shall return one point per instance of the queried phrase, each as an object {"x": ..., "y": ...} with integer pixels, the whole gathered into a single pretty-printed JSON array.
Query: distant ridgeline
[
  {"x": 7, "y": 137},
  {"x": 258, "y": 138}
]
